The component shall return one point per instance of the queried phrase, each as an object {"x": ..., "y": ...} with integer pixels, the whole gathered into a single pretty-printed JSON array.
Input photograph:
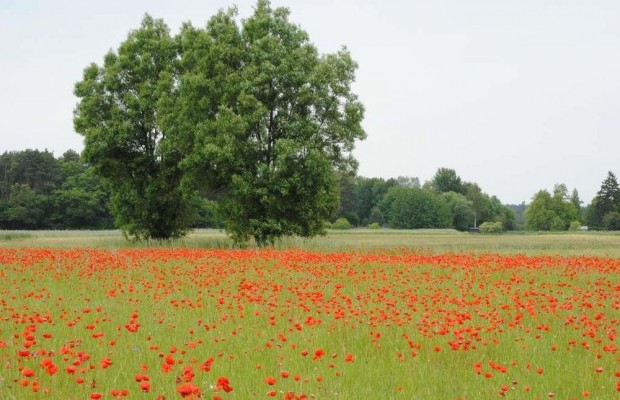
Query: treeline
[
  {"x": 560, "y": 210},
  {"x": 448, "y": 202},
  {"x": 40, "y": 191},
  {"x": 403, "y": 203}
]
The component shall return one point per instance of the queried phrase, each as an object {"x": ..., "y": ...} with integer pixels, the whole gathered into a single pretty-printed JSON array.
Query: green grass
[
  {"x": 14, "y": 235},
  {"x": 437, "y": 241},
  {"x": 242, "y": 308}
]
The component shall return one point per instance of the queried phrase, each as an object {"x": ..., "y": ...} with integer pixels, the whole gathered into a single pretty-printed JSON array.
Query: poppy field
[{"x": 293, "y": 324}]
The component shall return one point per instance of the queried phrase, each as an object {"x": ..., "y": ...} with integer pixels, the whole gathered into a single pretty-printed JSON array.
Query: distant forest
[{"x": 40, "y": 191}]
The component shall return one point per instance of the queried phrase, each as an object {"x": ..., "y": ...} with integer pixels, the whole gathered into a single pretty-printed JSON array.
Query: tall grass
[
  {"x": 551, "y": 322},
  {"x": 359, "y": 240},
  {"x": 13, "y": 235}
]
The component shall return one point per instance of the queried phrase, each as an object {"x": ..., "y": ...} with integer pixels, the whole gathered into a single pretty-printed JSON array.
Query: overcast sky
[{"x": 516, "y": 95}]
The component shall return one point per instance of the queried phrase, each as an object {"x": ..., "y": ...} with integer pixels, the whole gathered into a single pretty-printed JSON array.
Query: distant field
[{"x": 436, "y": 241}]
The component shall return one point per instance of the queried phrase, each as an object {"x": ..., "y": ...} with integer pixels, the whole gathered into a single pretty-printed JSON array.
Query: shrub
[
  {"x": 574, "y": 226},
  {"x": 374, "y": 225},
  {"x": 491, "y": 227},
  {"x": 341, "y": 223}
]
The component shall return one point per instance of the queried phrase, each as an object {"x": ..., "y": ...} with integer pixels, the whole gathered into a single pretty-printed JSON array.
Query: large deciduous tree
[
  {"x": 268, "y": 121},
  {"x": 119, "y": 117},
  {"x": 250, "y": 114},
  {"x": 297, "y": 119}
]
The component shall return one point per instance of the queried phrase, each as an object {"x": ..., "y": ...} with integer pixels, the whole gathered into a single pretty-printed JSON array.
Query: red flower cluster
[{"x": 285, "y": 321}]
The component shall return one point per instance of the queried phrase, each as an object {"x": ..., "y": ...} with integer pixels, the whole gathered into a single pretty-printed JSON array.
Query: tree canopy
[
  {"x": 447, "y": 180},
  {"x": 555, "y": 212},
  {"x": 249, "y": 114},
  {"x": 120, "y": 113},
  {"x": 39, "y": 191}
]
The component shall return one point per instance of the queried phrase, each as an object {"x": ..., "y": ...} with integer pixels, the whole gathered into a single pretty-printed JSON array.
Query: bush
[
  {"x": 491, "y": 227},
  {"x": 374, "y": 225},
  {"x": 341, "y": 223},
  {"x": 327, "y": 225},
  {"x": 574, "y": 226}
]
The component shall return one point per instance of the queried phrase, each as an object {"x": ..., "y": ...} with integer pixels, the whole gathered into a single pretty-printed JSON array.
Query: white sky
[{"x": 516, "y": 95}]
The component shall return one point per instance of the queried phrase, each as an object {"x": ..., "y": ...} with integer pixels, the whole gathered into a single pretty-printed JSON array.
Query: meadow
[
  {"x": 605, "y": 244},
  {"x": 353, "y": 315}
]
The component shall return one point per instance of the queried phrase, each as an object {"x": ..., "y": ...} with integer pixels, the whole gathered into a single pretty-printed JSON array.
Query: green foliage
[
  {"x": 36, "y": 169},
  {"x": 266, "y": 121},
  {"x": 574, "y": 226},
  {"x": 491, "y": 227},
  {"x": 446, "y": 180},
  {"x": 27, "y": 178},
  {"x": 557, "y": 224},
  {"x": 489, "y": 208},
  {"x": 576, "y": 201},
  {"x": 611, "y": 221},
  {"x": 609, "y": 193},
  {"x": 50, "y": 193},
  {"x": 481, "y": 203},
  {"x": 209, "y": 215},
  {"x": 369, "y": 192},
  {"x": 564, "y": 208},
  {"x": 25, "y": 208},
  {"x": 121, "y": 114},
  {"x": 348, "y": 204},
  {"x": 539, "y": 214},
  {"x": 341, "y": 224},
  {"x": 461, "y": 209},
  {"x": 519, "y": 213},
  {"x": 376, "y": 216},
  {"x": 293, "y": 198},
  {"x": 249, "y": 115},
  {"x": 360, "y": 199},
  {"x": 551, "y": 213},
  {"x": 366, "y": 200},
  {"x": 607, "y": 200},
  {"x": 413, "y": 208},
  {"x": 374, "y": 225},
  {"x": 81, "y": 201}
]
